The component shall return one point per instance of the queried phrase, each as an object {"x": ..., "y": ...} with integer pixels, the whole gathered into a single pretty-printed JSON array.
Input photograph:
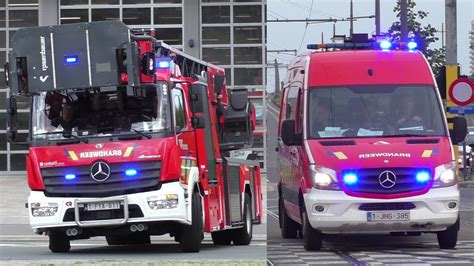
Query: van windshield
[{"x": 374, "y": 110}]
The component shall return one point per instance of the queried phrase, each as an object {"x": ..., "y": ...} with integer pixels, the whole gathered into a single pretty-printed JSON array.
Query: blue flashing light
[
  {"x": 422, "y": 177},
  {"x": 70, "y": 176},
  {"x": 385, "y": 45},
  {"x": 131, "y": 172},
  {"x": 70, "y": 59},
  {"x": 412, "y": 45},
  {"x": 163, "y": 64},
  {"x": 350, "y": 178}
]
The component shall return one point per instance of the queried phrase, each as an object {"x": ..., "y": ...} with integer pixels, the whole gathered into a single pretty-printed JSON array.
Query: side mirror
[
  {"x": 12, "y": 119},
  {"x": 197, "y": 98},
  {"x": 459, "y": 132},
  {"x": 218, "y": 83},
  {"x": 238, "y": 99},
  {"x": 288, "y": 135}
]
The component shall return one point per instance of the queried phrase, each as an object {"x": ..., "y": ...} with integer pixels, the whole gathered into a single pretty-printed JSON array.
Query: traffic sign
[
  {"x": 461, "y": 109},
  {"x": 461, "y": 91}
]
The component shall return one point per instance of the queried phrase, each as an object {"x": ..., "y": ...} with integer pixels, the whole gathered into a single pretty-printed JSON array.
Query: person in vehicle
[
  {"x": 407, "y": 115},
  {"x": 322, "y": 116}
]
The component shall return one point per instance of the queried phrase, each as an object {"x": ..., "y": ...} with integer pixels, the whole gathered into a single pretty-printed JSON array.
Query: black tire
[
  {"x": 243, "y": 236},
  {"x": 312, "y": 238},
  {"x": 59, "y": 242},
  {"x": 288, "y": 227},
  {"x": 113, "y": 240},
  {"x": 448, "y": 238},
  {"x": 192, "y": 234},
  {"x": 222, "y": 237}
]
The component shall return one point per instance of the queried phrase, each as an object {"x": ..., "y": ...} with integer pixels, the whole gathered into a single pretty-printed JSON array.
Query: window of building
[
  {"x": 74, "y": 2},
  {"x": 3, "y": 39},
  {"x": 74, "y": 16},
  {"x": 173, "y": 36},
  {"x": 248, "y": 76},
  {"x": 23, "y": 18},
  {"x": 105, "y": 2},
  {"x": 17, "y": 162},
  {"x": 168, "y": 15},
  {"x": 247, "y": 14},
  {"x": 167, "y": 1},
  {"x": 2, "y": 19},
  {"x": 136, "y": 16},
  {"x": 215, "y": 14},
  {"x": 105, "y": 14},
  {"x": 215, "y": 35},
  {"x": 247, "y": 55},
  {"x": 248, "y": 34},
  {"x": 216, "y": 55},
  {"x": 133, "y": 2}
]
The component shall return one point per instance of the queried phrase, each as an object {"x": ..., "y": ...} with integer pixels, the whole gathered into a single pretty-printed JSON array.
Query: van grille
[
  {"x": 368, "y": 181},
  {"x": 392, "y": 206},
  {"x": 146, "y": 179}
]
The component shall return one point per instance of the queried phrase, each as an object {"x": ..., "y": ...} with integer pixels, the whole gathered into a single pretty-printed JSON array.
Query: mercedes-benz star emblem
[
  {"x": 387, "y": 179},
  {"x": 100, "y": 171}
]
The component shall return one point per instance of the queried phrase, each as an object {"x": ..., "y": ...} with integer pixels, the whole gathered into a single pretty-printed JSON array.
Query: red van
[{"x": 364, "y": 146}]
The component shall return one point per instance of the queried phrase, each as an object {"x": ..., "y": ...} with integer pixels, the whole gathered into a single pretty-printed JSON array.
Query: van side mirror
[
  {"x": 459, "y": 131},
  {"x": 12, "y": 119},
  {"x": 288, "y": 135}
]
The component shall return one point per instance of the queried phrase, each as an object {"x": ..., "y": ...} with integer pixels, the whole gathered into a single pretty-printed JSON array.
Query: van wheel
[
  {"x": 192, "y": 234},
  {"x": 289, "y": 228},
  {"x": 448, "y": 238},
  {"x": 116, "y": 240},
  {"x": 59, "y": 242},
  {"x": 243, "y": 236},
  {"x": 312, "y": 238},
  {"x": 222, "y": 237}
]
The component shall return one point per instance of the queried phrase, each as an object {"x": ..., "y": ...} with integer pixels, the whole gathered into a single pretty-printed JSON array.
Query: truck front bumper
[
  {"x": 342, "y": 214},
  {"x": 139, "y": 210}
]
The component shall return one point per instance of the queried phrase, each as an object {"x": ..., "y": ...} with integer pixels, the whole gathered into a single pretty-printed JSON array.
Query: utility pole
[
  {"x": 377, "y": 17},
  {"x": 403, "y": 20},
  {"x": 277, "y": 77},
  {"x": 352, "y": 19}
]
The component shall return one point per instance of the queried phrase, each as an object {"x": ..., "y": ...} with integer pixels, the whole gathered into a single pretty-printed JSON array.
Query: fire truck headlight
[
  {"x": 445, "y": 175},
  {"x": 42, "y": 209},
  {"x": 323, "y": 178},
  {"x": 168, "y": 201}
]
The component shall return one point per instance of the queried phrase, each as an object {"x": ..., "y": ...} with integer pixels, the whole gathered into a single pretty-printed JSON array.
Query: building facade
[{"x": 228, "y": 33}]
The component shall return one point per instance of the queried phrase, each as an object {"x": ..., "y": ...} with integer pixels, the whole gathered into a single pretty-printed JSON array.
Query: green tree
[{"x": 423, "y": 35}]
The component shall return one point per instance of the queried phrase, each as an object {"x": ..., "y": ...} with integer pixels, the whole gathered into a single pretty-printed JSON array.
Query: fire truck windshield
[
  {"x": 374, "y": 111},
  {"x": 101, "y": 112}
]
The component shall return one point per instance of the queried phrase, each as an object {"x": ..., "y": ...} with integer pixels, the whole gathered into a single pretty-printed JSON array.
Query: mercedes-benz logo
[
  {"x": 387, "y": 179},
  {"x": 99, "y": 146},
  {"x": 100, "y": 171}
]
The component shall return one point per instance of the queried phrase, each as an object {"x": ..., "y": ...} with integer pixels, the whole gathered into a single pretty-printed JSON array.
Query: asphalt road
[
  {"x": 18, "y": 244},
  {"x": 361, "y": 249}
]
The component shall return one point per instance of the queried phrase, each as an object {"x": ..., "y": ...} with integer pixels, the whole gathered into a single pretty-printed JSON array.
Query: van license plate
[
  {"x": 388, "y": 216},
  {"x": 97, "y": 206}
]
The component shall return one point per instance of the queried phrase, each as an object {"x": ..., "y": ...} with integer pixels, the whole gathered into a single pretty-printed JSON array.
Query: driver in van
[
  {"x": 321, "y": 114},
  {"x": 407, "y": 116}
]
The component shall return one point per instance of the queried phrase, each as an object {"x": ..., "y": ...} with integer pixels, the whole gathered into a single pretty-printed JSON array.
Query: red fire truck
[
  {"x": 364, "y": 145},
  {"x": 129, "y": 138}
]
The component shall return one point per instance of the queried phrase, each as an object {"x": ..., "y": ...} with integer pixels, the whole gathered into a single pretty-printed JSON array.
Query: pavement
[
  {"x": 362, "y": 249},
  {"x": 20, "y": 246}
]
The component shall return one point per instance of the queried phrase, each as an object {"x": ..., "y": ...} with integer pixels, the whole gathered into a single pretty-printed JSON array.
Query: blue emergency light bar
[
  {"x": 162, "y": 63},
  {"x": 376, "y": 44},
  {"x": 70, "y": 59}
]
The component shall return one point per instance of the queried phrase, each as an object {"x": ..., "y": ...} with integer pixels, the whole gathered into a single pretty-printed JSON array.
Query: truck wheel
[
  {"x": 116, "y": 240},
  {"x": 312, "y": 238},
  {"x": 59, "y": 242},
  {"x": 222, "y": 237},
  {"x": 289, "y": 228},
  {"x": 448, "y": 238},
  {"x": 192, "y": 234},
  {"x": 243, "y": 236}
]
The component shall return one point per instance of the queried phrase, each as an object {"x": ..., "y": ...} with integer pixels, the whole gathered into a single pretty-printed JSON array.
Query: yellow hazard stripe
[
  {"x": 340, "y": 155},
  {"x": 128, "y": 151},
  {"x": 427, "y": 153},
  {"x": 73, "y": 155}
]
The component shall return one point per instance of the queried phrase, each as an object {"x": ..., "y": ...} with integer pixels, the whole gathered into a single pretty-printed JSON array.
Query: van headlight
[
  {"x": 323, "y": 178},
  {"x": 445, "y": 175}
]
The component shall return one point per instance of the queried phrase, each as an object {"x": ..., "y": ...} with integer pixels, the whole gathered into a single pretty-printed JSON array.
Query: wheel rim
[{"x": 248, "y": 222}]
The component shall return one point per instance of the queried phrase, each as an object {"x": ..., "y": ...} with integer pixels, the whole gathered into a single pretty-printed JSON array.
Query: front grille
[
  {"x": 368, "y": 181},
  {"x": 392, "y": 206},
  {"x": 134, "y": 211},
  {"x": 146, "y": 179}
]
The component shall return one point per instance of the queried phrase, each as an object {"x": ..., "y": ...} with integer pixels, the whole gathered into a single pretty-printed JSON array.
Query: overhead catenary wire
[
  {"x": 316, "y": 11},
  {"x": 306, "y": 26}
]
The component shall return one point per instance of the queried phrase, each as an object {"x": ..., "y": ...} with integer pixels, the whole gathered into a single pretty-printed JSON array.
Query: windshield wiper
[
  {"x": 148, "y": 136},
  {"x": 406, "y": 135},
  {"x": 66, "y": 135}
]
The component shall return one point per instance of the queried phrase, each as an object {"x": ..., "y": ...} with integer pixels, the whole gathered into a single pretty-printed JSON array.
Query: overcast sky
[{"x": 290, "y": 35}]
